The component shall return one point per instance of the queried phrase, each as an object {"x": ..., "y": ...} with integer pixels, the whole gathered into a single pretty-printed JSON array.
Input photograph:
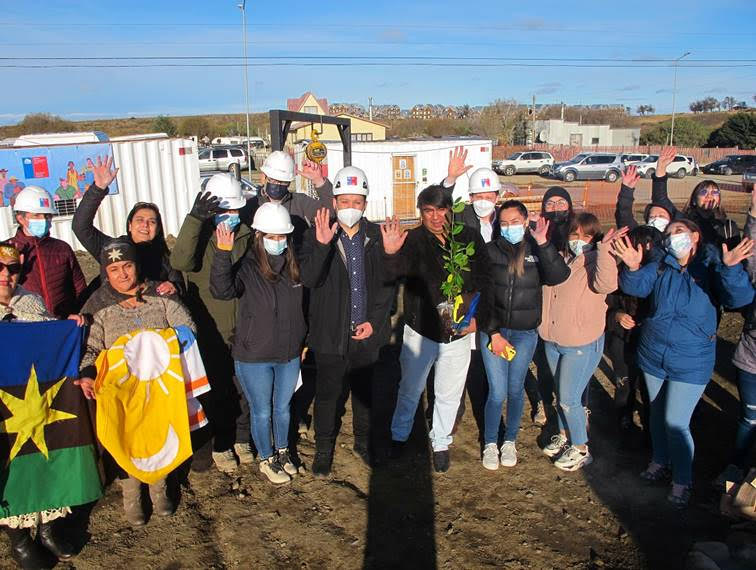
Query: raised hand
[
  {"x": 224, "y": 237},
  {"x": 740, "y": 252},
  {"x": 313, "y": 172},
  {"x": 630, "y": 177},
  {"x": 665, "y": 159},
  {"x": 631, "y": 256},
  {"x": 615, "y": 234},
  {"x": 457, "y": 166},
  {"x": 205, "y": 206},
  {"x": 393, "y": 235},
  {"x": 324, "y": 230},
  {"x": 103, "y": 172},
  {"x": 541, "y": 230}
]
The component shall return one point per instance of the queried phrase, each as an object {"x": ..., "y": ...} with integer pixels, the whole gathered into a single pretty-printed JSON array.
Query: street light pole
[
  {"x": 674, "y": 94},
  {"x": 243, "y": 8}
]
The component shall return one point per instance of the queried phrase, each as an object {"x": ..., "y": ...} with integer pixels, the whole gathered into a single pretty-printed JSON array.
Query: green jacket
[{"x": 193, "y": 254}]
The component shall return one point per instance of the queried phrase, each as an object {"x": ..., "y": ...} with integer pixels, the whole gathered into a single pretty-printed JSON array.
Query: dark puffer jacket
[{"x": 516, "y": 302}]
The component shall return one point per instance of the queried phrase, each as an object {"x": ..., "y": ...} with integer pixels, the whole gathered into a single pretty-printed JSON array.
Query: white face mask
[
  {"x": 680, "y": 244},
  {"x": 578, "y": 246},
  {"x": 483, "y": 208},
  {"x": 659, "y": 223},
  {"x": 349, "y": 216},
  {"x": 274, "y": 246}
]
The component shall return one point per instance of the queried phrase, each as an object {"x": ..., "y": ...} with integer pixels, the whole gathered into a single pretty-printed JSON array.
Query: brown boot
[
  {"x": 132, "y": 501},
  {"x": 161, "y": 503}
]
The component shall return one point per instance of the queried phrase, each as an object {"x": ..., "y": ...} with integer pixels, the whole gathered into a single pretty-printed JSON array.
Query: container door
[
  {"x": 576, "y": 139},
  {"x": 404, "y": 187}
]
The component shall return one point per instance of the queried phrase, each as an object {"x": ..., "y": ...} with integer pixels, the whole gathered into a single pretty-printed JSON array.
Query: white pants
[{"x": 418, "y": 355}]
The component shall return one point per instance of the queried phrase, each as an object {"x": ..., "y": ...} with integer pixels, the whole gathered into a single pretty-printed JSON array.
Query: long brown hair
[
  {"x": 290, "y": 265},
  {"x": 517, "y": 263}
]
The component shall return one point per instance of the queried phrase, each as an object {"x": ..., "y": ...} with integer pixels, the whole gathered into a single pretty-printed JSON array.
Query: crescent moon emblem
[{"x": 162, "y": 458}]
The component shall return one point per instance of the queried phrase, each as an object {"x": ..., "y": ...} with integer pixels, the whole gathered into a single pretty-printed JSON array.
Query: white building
[{"x": 558, "y": 131}]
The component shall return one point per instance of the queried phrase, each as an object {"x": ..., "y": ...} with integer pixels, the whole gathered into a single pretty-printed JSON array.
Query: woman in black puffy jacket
[{"x": 522, "y": 260}]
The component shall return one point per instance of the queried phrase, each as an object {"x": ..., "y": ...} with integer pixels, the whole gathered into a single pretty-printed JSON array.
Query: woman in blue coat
[{"x": 676, "y": 349}]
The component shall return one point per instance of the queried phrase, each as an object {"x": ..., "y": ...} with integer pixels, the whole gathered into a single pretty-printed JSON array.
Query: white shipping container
[
  {"x": 428, "y": 165},
  {"x": 161, "y": 171}
]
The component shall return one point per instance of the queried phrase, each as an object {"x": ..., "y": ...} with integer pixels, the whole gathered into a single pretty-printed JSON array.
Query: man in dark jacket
[
  {"x": 350, "y": 301},
  {"x": 50, "y": 267},
  {"x": 418, "y": 255}
]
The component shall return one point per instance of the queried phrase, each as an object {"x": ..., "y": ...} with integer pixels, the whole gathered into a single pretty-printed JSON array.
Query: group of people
[{"x": 267, "y": 281}]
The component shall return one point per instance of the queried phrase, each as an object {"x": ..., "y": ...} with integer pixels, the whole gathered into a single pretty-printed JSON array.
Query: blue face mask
[
  {"x": 513, "y": 234},
  {"x": 231, "y": 220},
  {"x": 274, "y": 246},
  {"x": 39, "y": 228},
  {"x": 679, "y": 244}
]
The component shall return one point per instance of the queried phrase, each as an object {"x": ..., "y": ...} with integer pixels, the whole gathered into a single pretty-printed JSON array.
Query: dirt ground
[{"x": 401, "y": 514}]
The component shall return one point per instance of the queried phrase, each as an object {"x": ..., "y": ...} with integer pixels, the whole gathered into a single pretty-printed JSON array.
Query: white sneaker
[
  {"x": 244, "y": 453},
  {"x": 508, "y": 454},
  {"x": 284, "y": 460},
  {"x": 557, "y": 446},
  {"x": 225, "y": 461},
  {"x": 272, "y": 469},
  {"x": 573, "y": 459},
  {"x": 539, "y": 417},
  {"x": 491, "y": 457}
]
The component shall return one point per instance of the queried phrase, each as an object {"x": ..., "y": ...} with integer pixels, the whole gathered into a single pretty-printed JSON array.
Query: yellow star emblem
[
  {"x": 31, "y": 415},
  {"x": 115, "y": 255}
]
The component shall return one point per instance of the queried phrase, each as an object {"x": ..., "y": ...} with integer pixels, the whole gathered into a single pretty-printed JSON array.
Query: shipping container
[
  {"x": 398, "y": 170},
  {"x": 161, "y": 171}
]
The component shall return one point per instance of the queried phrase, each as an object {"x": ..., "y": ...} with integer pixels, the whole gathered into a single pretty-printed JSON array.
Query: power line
[
  {"x": 360, "y": 64},
  {"x": 370, "y": 57}
]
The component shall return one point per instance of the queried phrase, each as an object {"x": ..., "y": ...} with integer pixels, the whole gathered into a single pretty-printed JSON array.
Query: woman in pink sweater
[{"x": 572, "y": 329}]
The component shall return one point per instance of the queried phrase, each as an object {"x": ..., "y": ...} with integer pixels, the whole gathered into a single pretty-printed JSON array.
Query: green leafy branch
[{"x": 456, "y": 255}]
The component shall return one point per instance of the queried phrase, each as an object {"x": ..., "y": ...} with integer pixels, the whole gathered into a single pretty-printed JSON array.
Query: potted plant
[{"x": 456, "y": 261}]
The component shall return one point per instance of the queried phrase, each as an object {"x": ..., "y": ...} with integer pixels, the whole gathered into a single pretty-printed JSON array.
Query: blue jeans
[
  {"x": 572, "y": 368},
  {"x": 672, "y": 405},
  {"x": 506, "y": 381},
  {"x": 268, "y": 387},
  {"x": 746, "y": 434}
]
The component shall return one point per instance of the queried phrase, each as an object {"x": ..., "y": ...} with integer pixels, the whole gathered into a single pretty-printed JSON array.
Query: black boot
[
  {"x": 27, "y": 553},
  {"x": 58, "y": 545},
  {"x": 321, "y": 464},
  {"x": 361, "y": 450}
]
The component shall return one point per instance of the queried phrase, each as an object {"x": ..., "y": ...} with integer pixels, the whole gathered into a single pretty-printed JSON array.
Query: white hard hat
[
  {"x": 484, "y": 180},
  {"x": 34, "y": 200},
  {"x": 350, "y": 180},
  {"x": 279, "y": 166},
  {"x": 272, "y": 218},
  {"x": 227, "y": 189}
]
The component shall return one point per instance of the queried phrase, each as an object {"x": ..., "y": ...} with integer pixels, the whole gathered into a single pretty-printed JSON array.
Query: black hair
[
  {"x": 159, "y": 240},
  {"x": 435, "y": 195},
  {"x": 646, "y": 236},
  {"x": 519, "y": 206},
  {"x": 692, "y": 205}
]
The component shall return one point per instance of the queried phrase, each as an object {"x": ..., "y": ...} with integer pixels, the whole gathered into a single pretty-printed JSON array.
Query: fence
[{"x": 565, "y": 152}]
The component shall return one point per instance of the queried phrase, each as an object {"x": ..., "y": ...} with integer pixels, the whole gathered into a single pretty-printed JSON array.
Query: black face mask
[
  {"x": 559, "y": 217},
  {"x": 276, "y": 191}
]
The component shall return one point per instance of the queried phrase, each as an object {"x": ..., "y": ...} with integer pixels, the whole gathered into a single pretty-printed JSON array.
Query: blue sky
[{"x": 566, "y": 31}]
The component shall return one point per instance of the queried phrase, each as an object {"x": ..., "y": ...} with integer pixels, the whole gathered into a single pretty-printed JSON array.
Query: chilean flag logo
[
  {"x": 351, "y": 181},
  {"x": 44, "y": 202},
  {"x": 486, "y": 182}
]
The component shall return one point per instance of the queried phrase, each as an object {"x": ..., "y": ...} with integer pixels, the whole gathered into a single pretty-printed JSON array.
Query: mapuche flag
[{"x": 46, "y": 441}]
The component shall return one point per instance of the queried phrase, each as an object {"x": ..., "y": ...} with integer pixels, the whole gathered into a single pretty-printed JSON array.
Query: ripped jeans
[
  {"x": 746, "y": 434},
  {"x": 572, "y": 368}
]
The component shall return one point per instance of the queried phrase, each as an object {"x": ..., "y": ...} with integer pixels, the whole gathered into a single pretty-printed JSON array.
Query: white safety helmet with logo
[
  {"x": 227, "y": 189},
  {"x": 34, "y": 200},
  {"x": 350, "y": 180},
  {"x": 484, "y": 180},
  {"x": 279, "y": 166},
  {"x": 272, "y": 218}
]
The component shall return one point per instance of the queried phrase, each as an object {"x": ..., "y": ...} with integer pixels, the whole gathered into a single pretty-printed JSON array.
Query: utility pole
[
  {"x": 532, "y": 123},
  {"x": 243, "y": 8},
  {"x": 674, "y": 94},
  {"x": 370, "y": 108}
]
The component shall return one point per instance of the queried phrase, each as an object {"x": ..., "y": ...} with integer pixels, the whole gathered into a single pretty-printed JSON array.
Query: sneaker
[
  {"x": 681, "y": 500},
  {"x": 557, "y": 446},
  {"x": 491, "y": 457},
  {"x": 244, "y": 453},
  {"x": 321, "y": 464},
  {"x": 508, "y": 454},
  {"x": 731, "y": 473},
  {"x": 539, "y": 415},
  {"x": 573, "y": 459},
  {"x": 284, "y": 460},
  {"x": 225, "y": 461},
  {"x": 272, "y": 469},
  {"x": 655, "y": 473},
  {"x": 441, "y": 461}
]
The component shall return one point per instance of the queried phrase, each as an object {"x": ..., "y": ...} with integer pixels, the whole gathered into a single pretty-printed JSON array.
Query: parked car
[
  {"x": 731, "y": 164},
  {"x": 521, "y": 162},
  {"x": 222, "y": 158},
  {"x": 680, "y": 167},
  {"x": 249, "y": 190},
  {"x": 590, "y": 166},
  {"x": 749, "y": 179},
  {"x": 628, "y": 159}
]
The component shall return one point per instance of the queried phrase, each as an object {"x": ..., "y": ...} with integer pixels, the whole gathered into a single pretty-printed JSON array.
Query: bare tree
[{"x": 729, "y": 102}]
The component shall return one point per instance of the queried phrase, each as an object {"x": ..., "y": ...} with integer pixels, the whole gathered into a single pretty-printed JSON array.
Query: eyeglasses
[
  {"x": 557, "y": 204},
  {"x": 709, "y": 190},
  {"x": 13, "y": 268}
]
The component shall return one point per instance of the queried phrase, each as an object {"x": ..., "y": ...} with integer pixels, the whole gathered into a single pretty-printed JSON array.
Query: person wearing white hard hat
[
  {"x": 278, "y": 174},
  {"x": 50, "y": 268},
  {"x": 270, "y": 329},
  {"x": 218, "y": 204},
  {"x": 350, "y": 301}
]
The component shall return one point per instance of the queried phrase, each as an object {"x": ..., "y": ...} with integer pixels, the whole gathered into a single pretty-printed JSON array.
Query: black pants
[
  {"x": 622, "y": 353},
  {"x": 337, "y": 375}
]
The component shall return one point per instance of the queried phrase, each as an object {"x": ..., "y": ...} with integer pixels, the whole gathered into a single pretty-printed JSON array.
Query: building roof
[
  {"x": 296, "y": 103},
  {"x": 298, "y": 125}
]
